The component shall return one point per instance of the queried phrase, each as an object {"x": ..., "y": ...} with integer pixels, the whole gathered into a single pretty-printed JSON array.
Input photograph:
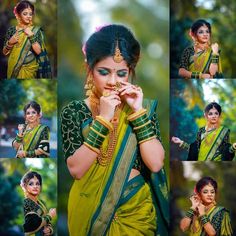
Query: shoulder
[
  {"x": 11, "y": 30},
  {"x": 201, "y": 130},
  {"x": 74, "y": 106}
]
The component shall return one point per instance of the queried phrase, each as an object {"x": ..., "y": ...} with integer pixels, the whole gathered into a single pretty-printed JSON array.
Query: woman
[
  {"x": 111, "y": 145},
  {"x": 24, "y": 44},
  {"x": 204, "y": 216},
  {"x": 212, "y": 142},
  {"x": 202, "y": 60},
  {"x": 37, "y": 217},
  {"x": 32, "y": 139}
]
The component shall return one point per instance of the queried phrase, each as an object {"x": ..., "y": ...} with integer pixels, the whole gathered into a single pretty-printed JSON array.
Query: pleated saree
[
  {"x": 103, "y": 201},
  {"x": 23, "y": 63},
  {"x": 219, "y": 219},
  {"x": 199, "y": 62}
]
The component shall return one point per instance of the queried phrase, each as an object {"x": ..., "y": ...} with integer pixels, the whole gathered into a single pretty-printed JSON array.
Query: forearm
[
  {"x": 16, "y": 145},
  {"x": 185, "y": 224},
  {"x": 153, "y": 154},
  {"x": 185, "y": 73},
  {"x": 80, "y": 162},
  {"x": 36, "y": 48},
  {"x": 213, "y": 69}
]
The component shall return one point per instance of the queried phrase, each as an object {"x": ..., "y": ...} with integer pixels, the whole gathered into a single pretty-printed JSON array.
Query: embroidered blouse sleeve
[
  {"x": 184, "y": 61},
  {"x": 44, "y": 141},
  {"x": 72, "y": 117},
  {"x": 9, "y": 34},
  {"x": 155, "y": 123}
]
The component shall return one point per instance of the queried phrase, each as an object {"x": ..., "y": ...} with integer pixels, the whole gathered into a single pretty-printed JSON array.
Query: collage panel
[
  {"x": 28, "y": 39},
  {"x": 202, "y": 42},
  {"x": 28, "y": 118},
  {"x": 89, "y": 196},
  {"x": 202, "y": 120},
  {"x": 202, "y": 198},
  {"x": 28, "y": 197}
]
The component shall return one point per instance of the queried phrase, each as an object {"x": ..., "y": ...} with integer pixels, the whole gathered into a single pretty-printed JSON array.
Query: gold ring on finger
[{"x": 106, "y": 94}]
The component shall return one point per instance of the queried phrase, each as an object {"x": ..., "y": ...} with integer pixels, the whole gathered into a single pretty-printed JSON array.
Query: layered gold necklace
[{"x": 105, "y": 155}]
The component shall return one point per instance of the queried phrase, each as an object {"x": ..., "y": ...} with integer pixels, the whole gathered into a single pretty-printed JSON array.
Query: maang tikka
[{"x": 117, "y": 54}]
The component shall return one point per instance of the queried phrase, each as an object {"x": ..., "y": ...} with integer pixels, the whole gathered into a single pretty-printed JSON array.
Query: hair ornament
[{"x": 117, "y": 55}]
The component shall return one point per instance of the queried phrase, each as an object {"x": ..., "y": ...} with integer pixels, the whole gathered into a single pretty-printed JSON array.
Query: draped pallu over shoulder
[{"x": 95, "y": 200}]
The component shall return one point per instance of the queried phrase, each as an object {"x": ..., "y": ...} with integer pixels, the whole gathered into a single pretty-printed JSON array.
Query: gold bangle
[
  {"x": 147, "y": 139},
  {"x": 136, "y": 114},
  {"x": 105, "y": 122},
  {"x": 92, "y": 148},
  {"x": 141, "y": 126},
  {"x": 95, "y": 131}
]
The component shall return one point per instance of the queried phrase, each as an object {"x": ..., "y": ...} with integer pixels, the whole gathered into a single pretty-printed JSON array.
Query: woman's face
[
  {"x": 107, "y": 72},
  {"x": 207, "y": 194},
  {"x": 33, "y": 187},
  {"x": 203, "y": 34},
  {"x": 212, "y": 116},
  {"x": 31, "y": 116},
  {"x": 26, "y": 16}
]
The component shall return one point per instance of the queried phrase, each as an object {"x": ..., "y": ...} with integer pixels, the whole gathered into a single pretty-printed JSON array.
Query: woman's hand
[
  {"x": 28, "y": 32},
  {"x": 132, "y": 95},
  {"x": 195, "y": 202},
  {"x": 21, "y": 154},
  {"x": 108, "y": 103},
  {"x": 176, "y": 140},
  {"x": 206, "y": 76},
  {"x": 21, "y": 128},
  {"x": 14, "y": 39},
  {"x": 52, "y": 212},
  {"x": 201, "y": 209},
  {"x": 47, "y": 230},
  {"x": 215, "y": 48}
]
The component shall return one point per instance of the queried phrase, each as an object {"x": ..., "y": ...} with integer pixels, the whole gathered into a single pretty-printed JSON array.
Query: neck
[
  {"x": 201, "y": 46},
  {"x": 209, "y": 206},
  {"x": 33, "y": 124},
  {"x": 211, "y": 126},
  {"x": 23, "y": 26},
  {"x": 33, "y": 197}
]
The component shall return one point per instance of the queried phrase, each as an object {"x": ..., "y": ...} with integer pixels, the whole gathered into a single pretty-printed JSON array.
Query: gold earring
[{"x": 89, "y": 86}]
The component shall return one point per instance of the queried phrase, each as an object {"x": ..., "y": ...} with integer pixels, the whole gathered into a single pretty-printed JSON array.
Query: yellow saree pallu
[
  {"x": 219, "y": 219},
  {"x": 103, "y": 201},
  {"x": 200, "y": 62},
  {"x": 22, "y": 63},
  {"x": 210, "y": 144}
]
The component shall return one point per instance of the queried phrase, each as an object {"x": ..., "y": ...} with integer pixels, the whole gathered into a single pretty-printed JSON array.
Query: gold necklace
[
  {"x": 105, "y": 155},
  {"x": 198, "y": 63}
]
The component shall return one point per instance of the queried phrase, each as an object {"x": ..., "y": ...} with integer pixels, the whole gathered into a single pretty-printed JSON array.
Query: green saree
[
  {"x": 23, "y": 63},
  {"x": 219, "y": 219},
  {"x": 199, "y": 62},
  {"x": 102, "y": 200},
  {"x": 35, "y": 213},
  {"x": 36, "y": 138}
]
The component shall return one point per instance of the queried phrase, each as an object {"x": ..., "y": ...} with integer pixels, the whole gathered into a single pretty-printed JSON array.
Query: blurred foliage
[
  {"x": 184, "y": 13},
  {"x": 16, "y": 93},
  {"x": 188, "y": 100},
  {"x": 152, "y": 70},
  {"x": 182, "y": 188},
  {"x": 45, "y": 16},
  {"x": 11, "y": 194}
]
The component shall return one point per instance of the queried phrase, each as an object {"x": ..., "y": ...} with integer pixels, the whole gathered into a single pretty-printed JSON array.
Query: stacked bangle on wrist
[
  {"x": 97, "y": 134},
  {"x": 190, "y": 213},
  {"x": 142, "y": 126},
  {"x": 204, "y": 219},
  {"x": 196, "y": 75},
  {"x": 214, "y": 58},
  {"x": 32, "y": 39},
  {"x": 9, "y": 46},
  {"x": 47, "y": 218},
  {"x": 19, "y": 138},
  {"x": 30, "y": 153},
  {"x": 232, "y": 149}
]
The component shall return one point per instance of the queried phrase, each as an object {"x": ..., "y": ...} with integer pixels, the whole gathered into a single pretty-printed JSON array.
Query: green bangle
[
  {"x": 32, "y": 39},
  {"x": 190, "y": 213},
  {"x": 195, "y": 75},
  {"x": 204, "y": 219},
  {"x": 18, "y": 138},
  {"x": 47, "y": 218}
]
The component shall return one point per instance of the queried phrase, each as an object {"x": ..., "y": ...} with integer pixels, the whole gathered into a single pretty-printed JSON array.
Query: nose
[{"x": 112, "y": 80}]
